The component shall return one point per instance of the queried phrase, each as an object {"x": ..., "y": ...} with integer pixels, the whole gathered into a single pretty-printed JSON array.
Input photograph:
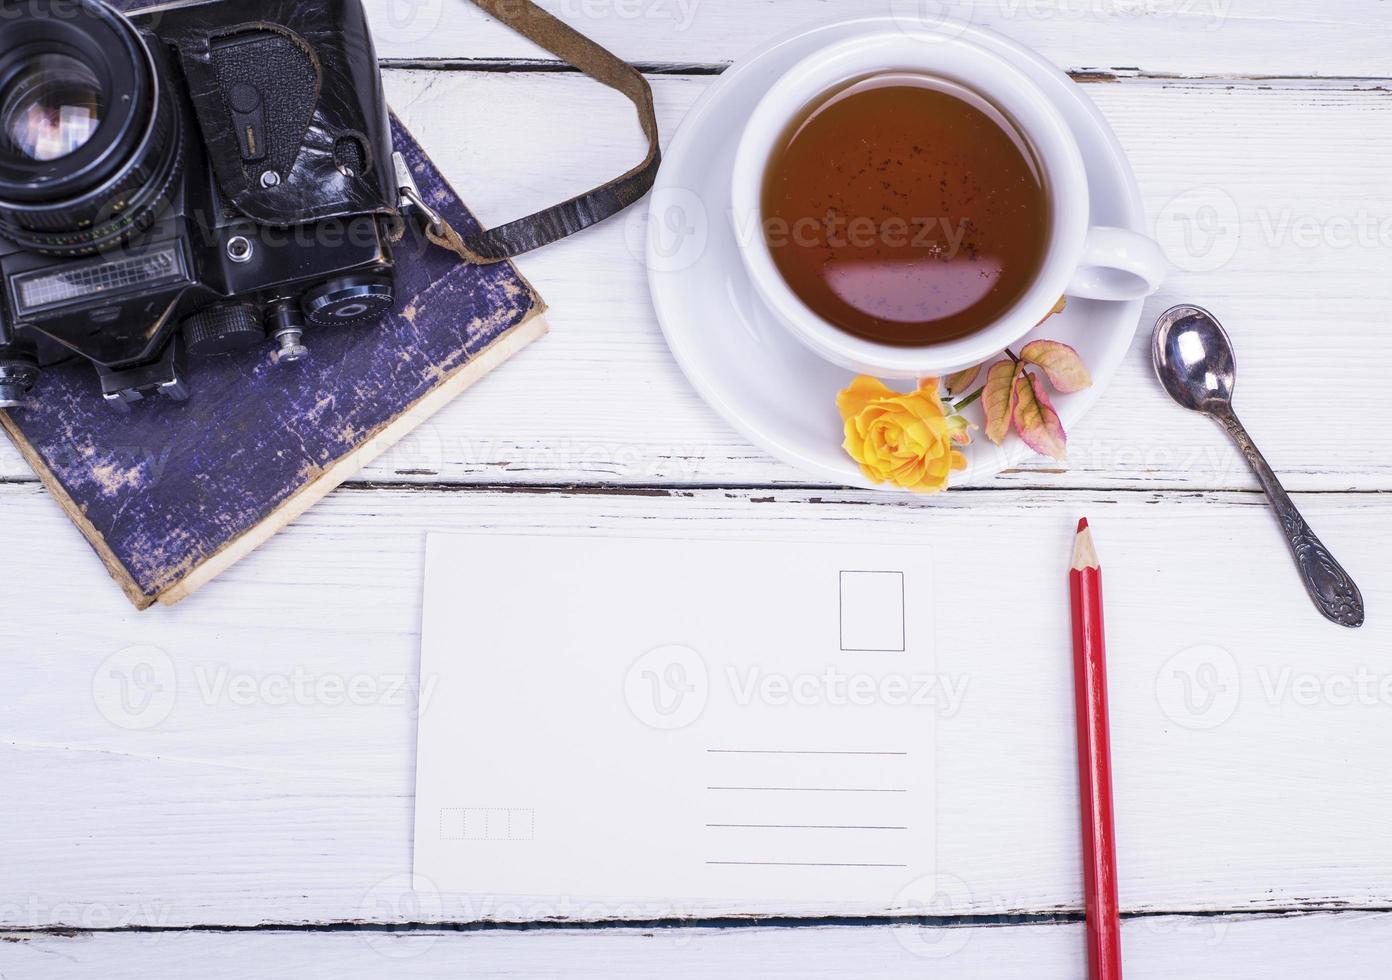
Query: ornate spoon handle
[{"x": 1333, "y": 591}]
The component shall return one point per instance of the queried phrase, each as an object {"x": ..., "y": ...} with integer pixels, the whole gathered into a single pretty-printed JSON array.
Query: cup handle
[{"x": 1119, "y": 264}]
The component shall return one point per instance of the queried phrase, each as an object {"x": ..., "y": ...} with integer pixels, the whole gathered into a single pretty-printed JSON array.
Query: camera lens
[
  {"x": 51, "y": 108},
  {"x": 90, "y": 140}
]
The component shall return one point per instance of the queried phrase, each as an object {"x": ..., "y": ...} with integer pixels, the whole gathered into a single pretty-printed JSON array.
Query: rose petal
[{"x": 862, "y": 391}]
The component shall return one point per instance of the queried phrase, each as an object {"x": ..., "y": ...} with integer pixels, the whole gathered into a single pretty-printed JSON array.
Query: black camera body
[{"x": 187, "y": 181}]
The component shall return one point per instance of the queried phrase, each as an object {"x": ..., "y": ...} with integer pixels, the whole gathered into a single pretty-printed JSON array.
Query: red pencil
[{"x": 1094, "y": 761}]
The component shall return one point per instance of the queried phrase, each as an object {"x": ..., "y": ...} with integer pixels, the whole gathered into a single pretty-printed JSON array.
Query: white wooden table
[{"x": 253, "y": 817}]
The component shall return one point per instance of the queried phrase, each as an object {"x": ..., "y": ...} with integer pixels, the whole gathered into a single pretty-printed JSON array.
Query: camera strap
[{"x": 567, "y": 218}]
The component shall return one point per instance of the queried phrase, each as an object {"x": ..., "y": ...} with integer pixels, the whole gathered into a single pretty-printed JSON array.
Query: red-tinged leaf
[
  {"x": 1036, "y": 420},
  {"x": 1066, "y": 370},
  {"x": 998, "y": 399},
  {"x": 962, "y": 380}
]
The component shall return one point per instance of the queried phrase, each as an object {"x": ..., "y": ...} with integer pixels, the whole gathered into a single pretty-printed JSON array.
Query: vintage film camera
[{"x": 189, "y": 180}]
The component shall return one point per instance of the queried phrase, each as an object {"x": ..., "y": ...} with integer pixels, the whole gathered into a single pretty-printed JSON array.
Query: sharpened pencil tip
[{"x": 1084, "y": 554}]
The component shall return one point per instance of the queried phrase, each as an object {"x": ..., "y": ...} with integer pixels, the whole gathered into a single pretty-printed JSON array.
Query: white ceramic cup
[{"x": 1081, "y": 260}]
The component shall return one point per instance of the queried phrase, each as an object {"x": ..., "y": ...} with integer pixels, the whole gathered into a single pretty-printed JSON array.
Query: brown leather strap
[{"x": 580, "y": 212}]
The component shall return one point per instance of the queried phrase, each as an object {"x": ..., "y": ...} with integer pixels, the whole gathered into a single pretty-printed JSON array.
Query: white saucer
[{"x": 762, "y": 380}]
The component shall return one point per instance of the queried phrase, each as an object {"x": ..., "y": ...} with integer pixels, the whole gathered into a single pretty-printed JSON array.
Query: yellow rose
[{"x": 909, "y": 440}]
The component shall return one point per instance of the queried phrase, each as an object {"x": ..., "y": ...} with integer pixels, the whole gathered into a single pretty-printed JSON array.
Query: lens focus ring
[
  {"x": 90, "y": 135},
  {"x": 116, "y": 211}
]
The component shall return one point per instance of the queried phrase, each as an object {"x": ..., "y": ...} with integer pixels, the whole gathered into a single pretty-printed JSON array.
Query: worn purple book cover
[{"x": 172, "y": 493}]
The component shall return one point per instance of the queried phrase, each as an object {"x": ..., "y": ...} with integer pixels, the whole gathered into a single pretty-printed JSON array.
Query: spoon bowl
[{"x": 1194, "y": 360}]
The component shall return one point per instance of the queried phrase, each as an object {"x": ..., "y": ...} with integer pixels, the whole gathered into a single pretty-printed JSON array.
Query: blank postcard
[{"x": 675, "y": 720}]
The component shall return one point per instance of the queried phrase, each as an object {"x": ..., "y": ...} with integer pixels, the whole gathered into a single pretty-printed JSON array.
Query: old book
[{"x": 172, "y": 494}]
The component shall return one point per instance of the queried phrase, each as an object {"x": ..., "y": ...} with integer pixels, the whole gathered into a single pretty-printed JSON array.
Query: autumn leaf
[
  {"x": 1058, "y": 308},
  {"x": 1066, "y": 370},
  {"x": 998, "y": 399},
  {"x": 1036, "y": 420},
  {"x": 962, "y": 380}
]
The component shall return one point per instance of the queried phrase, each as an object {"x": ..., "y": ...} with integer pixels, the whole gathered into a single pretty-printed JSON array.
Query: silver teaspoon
[{"x": 1194, "y": 360}]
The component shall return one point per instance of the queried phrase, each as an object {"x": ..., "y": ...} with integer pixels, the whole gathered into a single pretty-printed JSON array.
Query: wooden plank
[
  {"x": 602, "y": 400},
  {"x": 1191, "y": 37},
  {"x": 1290, "y": 169},
  {"x": 1290, "y": 948},
  {"x": 245, "y": 757}
]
